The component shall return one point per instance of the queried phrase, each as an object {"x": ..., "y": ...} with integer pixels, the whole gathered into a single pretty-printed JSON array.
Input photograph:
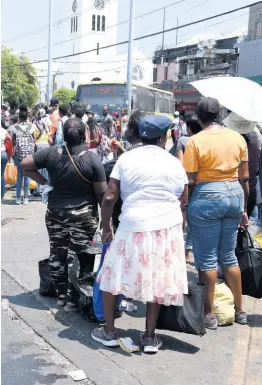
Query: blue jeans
[
  {"x": 4, "y": 161},
  {"x": 20, "y": 179},
  {"x": 214, "y": 213}
]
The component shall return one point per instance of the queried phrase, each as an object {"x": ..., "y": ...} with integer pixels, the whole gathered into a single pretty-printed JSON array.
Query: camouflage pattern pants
[{"x": 70, "y": 234}]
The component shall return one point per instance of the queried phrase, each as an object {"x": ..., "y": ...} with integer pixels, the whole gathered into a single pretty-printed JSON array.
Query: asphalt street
[
  {"x": 23, "y": 361},
  {"x": 228, "y": 356}
]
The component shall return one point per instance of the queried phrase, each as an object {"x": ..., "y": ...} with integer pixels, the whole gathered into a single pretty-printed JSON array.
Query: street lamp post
[
  {"x": 49, "y": 81},
  {"x": 130, "y": 57}
]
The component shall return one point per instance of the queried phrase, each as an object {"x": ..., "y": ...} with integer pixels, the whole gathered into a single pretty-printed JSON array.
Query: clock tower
[{"x": 87, "y": 30}]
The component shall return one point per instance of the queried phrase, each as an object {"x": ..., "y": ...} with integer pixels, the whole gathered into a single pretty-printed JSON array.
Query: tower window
[
  {"x": 98, "y": 23},
  {"x": 74, "y": 24},
  {"x": 93, "y": 22},
  {"x": 103, "y": 23}
]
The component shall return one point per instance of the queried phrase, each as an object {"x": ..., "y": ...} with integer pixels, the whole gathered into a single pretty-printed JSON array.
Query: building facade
[
  {"x": 250, "y": 50},
  {"x": 175, "y": 68},
  {"x": 255, "y": 22}
]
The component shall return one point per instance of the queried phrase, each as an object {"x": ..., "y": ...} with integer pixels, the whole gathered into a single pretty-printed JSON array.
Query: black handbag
[
  {"x": 188, "y": 318},
  {"x": 250, "y": 263},
  {"x": 46, "y": 288}
]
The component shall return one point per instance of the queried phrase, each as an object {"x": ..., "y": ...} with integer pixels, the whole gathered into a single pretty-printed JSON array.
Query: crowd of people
[
  {"x": 148, "y": 196},
  {"x": 34, "y": 130}
]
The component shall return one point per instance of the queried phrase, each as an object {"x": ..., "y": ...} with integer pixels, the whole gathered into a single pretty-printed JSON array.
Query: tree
[
  {"x": 19, "y": 80},
  {"x": 65, "y": 95}
]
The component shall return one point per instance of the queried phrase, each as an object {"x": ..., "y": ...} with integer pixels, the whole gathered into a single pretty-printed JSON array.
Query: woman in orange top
[{"x": 216, "y": 161}]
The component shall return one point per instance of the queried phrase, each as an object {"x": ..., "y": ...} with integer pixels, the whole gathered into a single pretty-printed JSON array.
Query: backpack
[{"x": 25, "y": 144}]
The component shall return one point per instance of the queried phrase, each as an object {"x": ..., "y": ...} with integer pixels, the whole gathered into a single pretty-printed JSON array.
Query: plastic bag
[
  {"x": 47, "y": 288},
  {"x": 10, "y": 174},
  {"x": 250, "y": 263},
  {"x": 33, "y": 185},
  {"x": 224, "y": 304},
  {"x": 98, "y": 294},
  {"x": 188, "y": 318}
]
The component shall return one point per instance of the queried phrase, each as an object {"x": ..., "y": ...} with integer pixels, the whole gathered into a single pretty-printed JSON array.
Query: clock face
[
  {"x": 74, "y": 6},
  {"x": 99, "y": 4}
]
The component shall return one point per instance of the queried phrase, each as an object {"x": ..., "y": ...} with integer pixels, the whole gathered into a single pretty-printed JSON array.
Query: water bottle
[
  {"x": 97, "y": 245},
  {"x": 5, "y": 304},
  {"x": 128, "y": 306}
]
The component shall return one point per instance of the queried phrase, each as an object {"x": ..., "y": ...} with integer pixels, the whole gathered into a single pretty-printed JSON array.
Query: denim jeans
[
  {"x": 214, "y": 214},
  {"x": 4, "y": 161},
  {"x": 20, "y": 179}
]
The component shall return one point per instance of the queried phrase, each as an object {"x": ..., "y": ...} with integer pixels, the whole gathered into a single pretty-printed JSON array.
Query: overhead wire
[
  {"x": 41, "y": 29},
  {"x": 150, "y": 35},
  {"x": 111, "y": 26},
  {"x": 93, "y": 72},
  {"x": 212, "y": 25}
]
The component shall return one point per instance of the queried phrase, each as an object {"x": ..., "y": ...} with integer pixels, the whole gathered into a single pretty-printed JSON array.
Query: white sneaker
[
  {"x": 25, "y": 201},
  {"x": 18, "y": 201}
]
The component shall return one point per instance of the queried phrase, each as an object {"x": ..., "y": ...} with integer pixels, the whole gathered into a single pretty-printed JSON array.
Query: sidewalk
[{"x": 230, "y": 355}]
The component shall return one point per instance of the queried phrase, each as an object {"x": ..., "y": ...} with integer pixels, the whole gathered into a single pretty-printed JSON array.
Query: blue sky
[{"x": 19, "y": 17}]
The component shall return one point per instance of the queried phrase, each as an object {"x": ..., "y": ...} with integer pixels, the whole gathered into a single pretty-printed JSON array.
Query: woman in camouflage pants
[{"x": 79, "y": 182}]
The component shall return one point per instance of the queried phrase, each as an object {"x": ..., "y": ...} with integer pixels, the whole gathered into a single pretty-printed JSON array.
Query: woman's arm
[
  {"x": 180, "y": 155},
  {"x": 191, "y": 182},
  {"x": 243, "y": 177},
  {"x": 110, "y": 198},
  {"x": 183, "y": 202},
  {"x": 99, "y": 190},
  {"x": 30, "y": 169}
]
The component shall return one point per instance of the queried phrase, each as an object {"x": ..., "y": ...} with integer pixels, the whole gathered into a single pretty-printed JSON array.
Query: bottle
[
  {"x": 131, "y": 307},
  {"x": 128, "y": 306},
  {"x": 5, "y": 304},
  {"x": 97, "y": 242}
]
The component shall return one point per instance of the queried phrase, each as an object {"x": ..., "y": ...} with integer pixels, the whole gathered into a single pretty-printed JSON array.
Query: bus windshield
[{"x": 102, "y": 94}]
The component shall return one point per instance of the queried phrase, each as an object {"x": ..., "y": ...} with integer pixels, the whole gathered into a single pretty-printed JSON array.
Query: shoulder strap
[{"x": 75, "y": 166}]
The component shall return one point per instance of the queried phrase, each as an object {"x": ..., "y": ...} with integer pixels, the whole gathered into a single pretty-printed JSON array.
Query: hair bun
[{"x": 23, "y": 108}]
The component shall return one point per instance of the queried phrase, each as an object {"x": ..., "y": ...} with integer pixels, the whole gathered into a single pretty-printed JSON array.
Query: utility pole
[
  {"x": 49, "y": 79},
  {"x": 176, "y": 32},
  {"x": 54, "y": 77},
  {"x": 163, "y": 36},
  {"x": 130, "y": 57}
]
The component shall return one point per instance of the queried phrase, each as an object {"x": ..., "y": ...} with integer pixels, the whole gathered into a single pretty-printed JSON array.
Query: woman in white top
[{"x": 146, "y": 259}]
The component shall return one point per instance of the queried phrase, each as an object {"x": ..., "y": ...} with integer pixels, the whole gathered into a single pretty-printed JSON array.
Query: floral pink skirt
[{"x": 147, "y": 266}]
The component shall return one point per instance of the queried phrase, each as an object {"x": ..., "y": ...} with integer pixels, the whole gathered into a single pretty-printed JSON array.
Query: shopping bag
[
  {"x": 47, "y": 288},
  {"x": 188, "y": 318},
  {"x": 250, "y": 263},
  {"x": 98, "y": 294},
  {"x": 10, "y": 174},
  {"x": 224, "y": 304},
  {"x": 33, "y": 185}
]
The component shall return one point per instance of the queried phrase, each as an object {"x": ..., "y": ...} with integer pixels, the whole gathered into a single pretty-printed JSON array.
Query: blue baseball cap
[
  {"x": 153, "y": 126},
  {"x": 54, "y": 101}
]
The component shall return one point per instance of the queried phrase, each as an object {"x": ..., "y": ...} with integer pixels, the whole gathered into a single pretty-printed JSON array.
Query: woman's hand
[
  {"x": 244, "y": 221},
  {"x": 117, "y": 145},
  {"x": 107, "y": 235}
]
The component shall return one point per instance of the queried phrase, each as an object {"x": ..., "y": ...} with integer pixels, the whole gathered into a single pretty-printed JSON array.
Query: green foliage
[
  {"x": 19, "y": 80},
  {"x": 65, "y": 95}
]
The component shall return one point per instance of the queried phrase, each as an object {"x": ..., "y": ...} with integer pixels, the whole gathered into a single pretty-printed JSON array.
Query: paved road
[
  {"x": 23, "y": 362},
  {"x": 230, "y": 355}
]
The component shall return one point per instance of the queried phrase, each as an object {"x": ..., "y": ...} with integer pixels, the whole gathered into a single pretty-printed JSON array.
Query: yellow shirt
[{"x": 215, "y": 155}]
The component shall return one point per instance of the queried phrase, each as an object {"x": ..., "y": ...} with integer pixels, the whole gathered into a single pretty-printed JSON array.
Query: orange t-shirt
[{"x": 215, "y": 155}]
